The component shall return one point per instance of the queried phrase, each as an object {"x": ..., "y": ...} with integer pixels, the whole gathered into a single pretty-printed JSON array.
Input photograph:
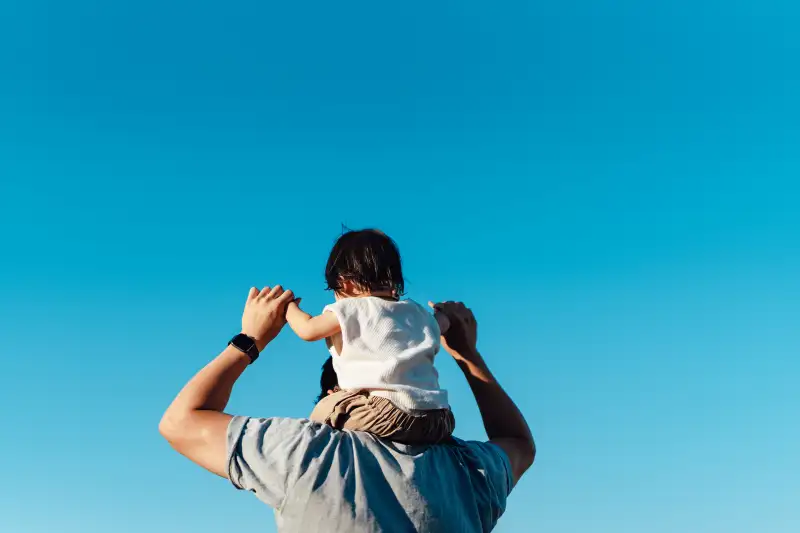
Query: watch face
[{"x": 243, "y": 342}]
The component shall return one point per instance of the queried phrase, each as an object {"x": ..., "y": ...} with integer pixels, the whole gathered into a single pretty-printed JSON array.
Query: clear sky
[{"x": 613, "y": 186}]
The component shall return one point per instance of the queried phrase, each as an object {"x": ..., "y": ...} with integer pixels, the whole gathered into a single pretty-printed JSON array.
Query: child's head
[{"x": 365, "y": 262}]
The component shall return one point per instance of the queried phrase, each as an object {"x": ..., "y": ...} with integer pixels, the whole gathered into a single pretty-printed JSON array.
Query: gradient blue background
[{"x": 613, "y": 188}]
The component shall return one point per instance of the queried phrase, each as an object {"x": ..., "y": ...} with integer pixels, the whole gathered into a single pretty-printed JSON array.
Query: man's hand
[
  {"x": 265, "y": 314},
  {"x": 461, "y": 337}
]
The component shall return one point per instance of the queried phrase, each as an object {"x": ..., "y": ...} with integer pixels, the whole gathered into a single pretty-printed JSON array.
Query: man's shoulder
[
  {"x": 277, "y": 429},
  {"x": 489, "y": 457},
  {"x": 294, "y": 429},
  {"x": 303, "y": 437},
  {"x": 261, "y": 448}
]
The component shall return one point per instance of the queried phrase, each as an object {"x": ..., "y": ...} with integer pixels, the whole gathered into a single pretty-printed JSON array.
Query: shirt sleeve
[
  {"x": 266, "y": 455},
  {"x": 495, "y": 467},
  {"x": 500, "y": 466}
]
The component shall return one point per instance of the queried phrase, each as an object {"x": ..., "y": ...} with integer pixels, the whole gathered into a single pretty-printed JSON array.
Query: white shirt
[{"x": 389, "y": 347}]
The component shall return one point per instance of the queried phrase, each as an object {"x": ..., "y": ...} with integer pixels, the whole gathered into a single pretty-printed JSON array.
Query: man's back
[{"x": 320, "y": 479}]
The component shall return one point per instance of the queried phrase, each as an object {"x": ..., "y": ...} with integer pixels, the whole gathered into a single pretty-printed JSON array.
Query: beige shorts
[{"x": 357, "y": 410}]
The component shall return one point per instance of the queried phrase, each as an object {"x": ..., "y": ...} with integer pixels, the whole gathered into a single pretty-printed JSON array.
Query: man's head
[{"x": 363, "y": 262}]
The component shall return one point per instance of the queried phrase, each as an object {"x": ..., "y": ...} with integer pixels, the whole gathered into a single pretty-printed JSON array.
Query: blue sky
[{"x": 612, "y": 186}]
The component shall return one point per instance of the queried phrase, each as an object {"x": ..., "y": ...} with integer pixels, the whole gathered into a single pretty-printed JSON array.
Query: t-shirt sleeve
[
  {"x": 266, "y": 455},
  {"x": 495, "y": 466}
]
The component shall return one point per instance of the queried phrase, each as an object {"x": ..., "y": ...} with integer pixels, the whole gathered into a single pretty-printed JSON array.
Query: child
[{"x": 382, "y": 347}]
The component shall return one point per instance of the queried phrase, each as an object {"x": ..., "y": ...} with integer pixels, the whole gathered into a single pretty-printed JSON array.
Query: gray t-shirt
[{"x": 319, "y": 479}]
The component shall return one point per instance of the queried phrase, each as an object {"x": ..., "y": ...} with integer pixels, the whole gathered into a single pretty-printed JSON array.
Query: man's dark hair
[
  {"x": 328, "y": 381},
  {"x": 367, "y": 258}
]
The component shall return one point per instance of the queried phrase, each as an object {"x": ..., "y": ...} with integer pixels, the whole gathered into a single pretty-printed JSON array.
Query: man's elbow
[
  {"x": 170, "y": 428},
  {"x": 525, "y": 455},
  {"x": 529, "y": 455},
  {"x": 165, "y": 427}
]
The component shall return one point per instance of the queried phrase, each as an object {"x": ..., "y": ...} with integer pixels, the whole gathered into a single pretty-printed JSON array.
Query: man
[{"x": 323, "y": 480}]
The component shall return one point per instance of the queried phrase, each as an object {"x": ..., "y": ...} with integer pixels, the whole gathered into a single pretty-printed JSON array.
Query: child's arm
[{"x": 311, "y": 328}]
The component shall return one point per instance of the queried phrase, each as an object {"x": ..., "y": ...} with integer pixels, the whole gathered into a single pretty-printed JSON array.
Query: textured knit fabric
[
  {"x": 357, "y": 410},
  {"x": 322, "y": 480},
  {"x": 388, "y": 347}
]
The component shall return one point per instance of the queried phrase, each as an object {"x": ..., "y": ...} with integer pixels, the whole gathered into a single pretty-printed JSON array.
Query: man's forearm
[
  {"x": 502, "y": 419},
  {"x": 210, "y": 389}
]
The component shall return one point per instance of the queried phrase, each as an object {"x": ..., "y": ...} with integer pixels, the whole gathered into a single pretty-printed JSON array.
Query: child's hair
[
  {"x": 328, "y": 380},
  {"x": 367, "y": 258}
]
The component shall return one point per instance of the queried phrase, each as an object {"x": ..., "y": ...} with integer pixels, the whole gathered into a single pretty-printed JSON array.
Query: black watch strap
[{"x": 245, "y": 344}]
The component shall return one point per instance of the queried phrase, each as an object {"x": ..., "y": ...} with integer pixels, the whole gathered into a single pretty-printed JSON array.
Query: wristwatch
[{"x": 245, "y": 344}]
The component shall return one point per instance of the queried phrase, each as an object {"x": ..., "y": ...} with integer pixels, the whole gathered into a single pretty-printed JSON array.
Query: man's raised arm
[
  {"x": 194, "y": 423},
  {"x": 504, "y": 423}
]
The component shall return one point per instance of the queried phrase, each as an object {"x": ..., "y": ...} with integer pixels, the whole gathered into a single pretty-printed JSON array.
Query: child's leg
[
  {"x": 419, "y": 427},
  {"x": 358, "y": 411},
  {"x": 335, "y": 408}
]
